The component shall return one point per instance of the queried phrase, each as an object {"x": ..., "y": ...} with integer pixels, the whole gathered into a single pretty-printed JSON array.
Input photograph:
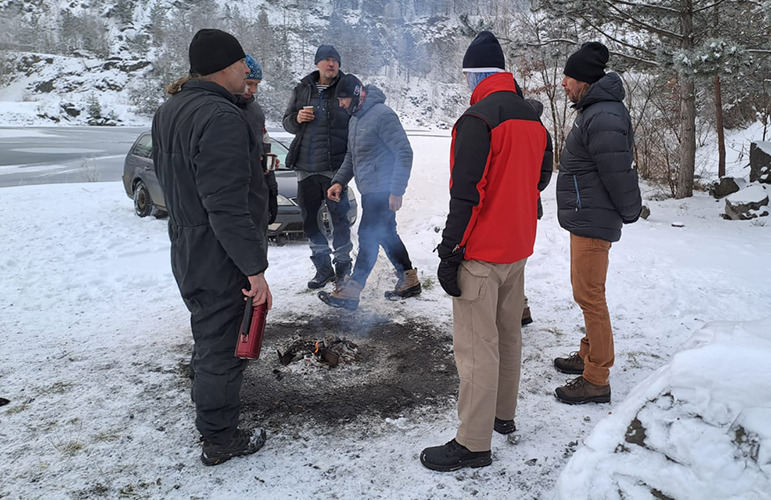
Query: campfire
[{"x": 327, "y": 353}]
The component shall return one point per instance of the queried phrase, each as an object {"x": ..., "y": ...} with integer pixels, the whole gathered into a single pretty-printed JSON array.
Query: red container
[{"x": 252, "y": 327}]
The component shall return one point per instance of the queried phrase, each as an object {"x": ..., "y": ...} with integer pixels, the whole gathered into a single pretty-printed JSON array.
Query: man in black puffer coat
[
  {"x": 217, "y": 204},
  {"x": 320, "y": 126},
  {"x": 597, "y": 192}
]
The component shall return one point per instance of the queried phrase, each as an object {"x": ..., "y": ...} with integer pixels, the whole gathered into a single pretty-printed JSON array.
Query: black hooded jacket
[
  {"x": 216, "y": 198},
  {"x": 319, "y": 145},
  {"x": 597, "y": 188}
]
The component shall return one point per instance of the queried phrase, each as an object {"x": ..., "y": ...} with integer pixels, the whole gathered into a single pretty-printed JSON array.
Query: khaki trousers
[
  {"x": 487, "y": 341},
  {"x": 588, "y": 270}
]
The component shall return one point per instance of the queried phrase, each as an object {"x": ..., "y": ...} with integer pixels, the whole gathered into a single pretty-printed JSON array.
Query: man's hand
[
  {"x": 333, "y": 193},
  {"x": 259, "y": 290},
  {"x": 305, "y": 115},
  {"x": 448, "y": 269},
  {"x": 394, "y": 202}
]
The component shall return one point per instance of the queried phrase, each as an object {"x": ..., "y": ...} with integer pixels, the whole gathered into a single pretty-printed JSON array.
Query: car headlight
[{"x": 283, "y": 201}]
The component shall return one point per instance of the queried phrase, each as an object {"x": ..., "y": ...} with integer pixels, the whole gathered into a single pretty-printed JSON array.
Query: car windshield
[{"x": 280, "y": 150}]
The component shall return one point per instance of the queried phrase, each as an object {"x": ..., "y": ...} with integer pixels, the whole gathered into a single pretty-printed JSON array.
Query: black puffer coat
[
  {"x": 215, "y": 196},
  {"x": 319, "y": 145},
  {"x": 597, "y": 188}
]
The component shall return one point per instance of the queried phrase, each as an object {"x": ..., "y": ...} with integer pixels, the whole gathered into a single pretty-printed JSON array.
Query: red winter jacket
[{"x": 499, "y": 147}]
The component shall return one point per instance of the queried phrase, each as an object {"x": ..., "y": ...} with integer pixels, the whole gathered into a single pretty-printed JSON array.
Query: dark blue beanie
[
  {"x": 327, "y": 51},
  {"x": 587, "y": 64},
  {"x": 213, "y": 50},
  {"x": 484, "y": 55}
]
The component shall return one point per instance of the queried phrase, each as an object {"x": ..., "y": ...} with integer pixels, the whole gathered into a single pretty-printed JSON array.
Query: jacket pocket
[{"x": 473, "y": 279}]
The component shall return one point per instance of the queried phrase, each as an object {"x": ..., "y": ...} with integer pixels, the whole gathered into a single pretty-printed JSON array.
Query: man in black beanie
[
  {"x": 217, "y": 204},
  {"x": 597, "y": 193},
  {"x": 320, "y": 127},
  {"x": 500, "y": 152}
]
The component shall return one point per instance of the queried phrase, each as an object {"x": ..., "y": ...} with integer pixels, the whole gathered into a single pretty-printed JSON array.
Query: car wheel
[{"x": 143, "y": 204}]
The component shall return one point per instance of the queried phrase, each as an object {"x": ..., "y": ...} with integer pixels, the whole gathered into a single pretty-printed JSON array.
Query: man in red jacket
[{"x": 498, "y": 150}]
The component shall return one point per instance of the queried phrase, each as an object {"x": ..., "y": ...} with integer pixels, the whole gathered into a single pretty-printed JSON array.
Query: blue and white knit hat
[{"x": 255, "y": 70}]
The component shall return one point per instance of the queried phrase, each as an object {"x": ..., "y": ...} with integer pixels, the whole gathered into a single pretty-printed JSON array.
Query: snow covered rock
[
  {"x": 725, "y": 186},
  {"x": 760, "y": 162},
  {"x": 699, "y": 427},
  {"x": 749, "y": 203}
]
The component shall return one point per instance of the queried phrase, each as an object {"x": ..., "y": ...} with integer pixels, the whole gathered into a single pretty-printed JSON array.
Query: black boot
[
  {"x": 324, "y": 271},
  {"x": 342, "y": 269}
]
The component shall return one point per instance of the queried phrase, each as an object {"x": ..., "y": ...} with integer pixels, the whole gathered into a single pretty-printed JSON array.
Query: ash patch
[{"x": 402, "y": 367}]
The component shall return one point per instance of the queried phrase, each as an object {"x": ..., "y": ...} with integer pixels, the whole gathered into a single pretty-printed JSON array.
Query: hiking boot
[
  {"x": 504, "y": 426},
  {"x": 408, "y": 285},
  {"x": 346, "y": 296},
  {"x": 579, "y": 391},
  {"x": 242, "y": 443},
  {"x": 526, "y": 318},
  {"x": 572, "y": 365},
  {"x": 324, "y": 272},
  {"x": 453, "y": 456}
]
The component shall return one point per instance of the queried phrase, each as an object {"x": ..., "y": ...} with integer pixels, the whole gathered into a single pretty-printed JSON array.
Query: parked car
[{"x": 142, "y": 186}]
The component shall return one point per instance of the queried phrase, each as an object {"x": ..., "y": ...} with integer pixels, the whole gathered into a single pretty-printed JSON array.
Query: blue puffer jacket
[
  {"x": 379, "y": 154},
  {"x": 597, "y": 188}
]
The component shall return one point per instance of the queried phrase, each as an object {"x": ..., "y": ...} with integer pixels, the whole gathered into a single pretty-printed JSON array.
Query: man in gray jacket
[
  {"x": 597, "y": 192},
  {"x": 379, "y": 156},
  {"x": 217, "y": 203}
]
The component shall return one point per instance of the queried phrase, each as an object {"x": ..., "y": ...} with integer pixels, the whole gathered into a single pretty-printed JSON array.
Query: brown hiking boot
[
  {"x": 346, "y": 296},
  {"x": 573, "y": 364},
  {"x": 579, "y": 391},
  {"x": 408, "y": 285}
]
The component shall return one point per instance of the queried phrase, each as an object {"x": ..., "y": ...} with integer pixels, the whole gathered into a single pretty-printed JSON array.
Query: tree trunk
[
  {"x": 719, "y": 126},
  {"x": 687, "y": 110}
]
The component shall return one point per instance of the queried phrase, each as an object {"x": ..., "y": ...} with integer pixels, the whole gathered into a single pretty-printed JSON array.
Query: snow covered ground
[{"x": 93, "y": 334}]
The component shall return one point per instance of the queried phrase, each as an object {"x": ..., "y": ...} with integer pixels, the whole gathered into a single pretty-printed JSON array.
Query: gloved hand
[
  {"x": 272, "y": 208},
  {"x": 448, "y": 269}
]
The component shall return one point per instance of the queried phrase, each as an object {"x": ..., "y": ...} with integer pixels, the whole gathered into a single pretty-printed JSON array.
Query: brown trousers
[
  {"x": 487, "y": 341},
  {"x": 588, "y": 270}
]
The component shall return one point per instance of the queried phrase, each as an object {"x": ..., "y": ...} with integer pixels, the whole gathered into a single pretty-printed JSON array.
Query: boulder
[
  {"x": 645, "y": 212},
  {"x": 749, "y": 203},
  {"x": 760, "y": 162},
  {"x": 725, "y": 186}
]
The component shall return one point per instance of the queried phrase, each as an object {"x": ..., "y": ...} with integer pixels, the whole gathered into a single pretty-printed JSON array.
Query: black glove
[
  {"x": 272, "y": 209},
  {"x": 448, "y": 269}
]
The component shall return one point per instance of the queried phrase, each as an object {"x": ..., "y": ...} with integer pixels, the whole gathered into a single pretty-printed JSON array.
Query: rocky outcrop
[
  {"x": 760, "y": 162},
  {"x": 747, "y": 204},
  {"x": 725, "y": 186}
]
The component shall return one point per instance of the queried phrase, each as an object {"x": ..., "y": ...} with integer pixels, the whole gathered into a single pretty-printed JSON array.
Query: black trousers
[
  {"x": 217, "y": 373},
  {"x": 378, "y": 228},
  {"x": 311, "y": 194}
]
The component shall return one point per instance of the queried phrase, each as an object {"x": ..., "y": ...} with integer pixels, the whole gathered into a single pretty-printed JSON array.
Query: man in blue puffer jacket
[
  {"x": 379, "y": 156},
  {"x": 597, "y": 192}
]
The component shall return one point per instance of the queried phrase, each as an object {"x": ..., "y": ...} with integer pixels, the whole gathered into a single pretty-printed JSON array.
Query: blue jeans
[{"x": 378, "y": 228}]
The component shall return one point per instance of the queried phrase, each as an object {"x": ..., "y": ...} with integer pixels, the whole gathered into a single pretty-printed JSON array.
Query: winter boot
[
  {"x": 526, "y": 318},
  {"x": 346, "y": 296},
  {"x": 342, "y": 269},
  {"x": 453, "y": 456},
  {"x": 242, "y": 443},
  {"x": 572, "y": 365},
  {"x": 579, "y": 391},
  {"x": 504, "y": 426},
  {"x": 408, "y": 285},
  {"x": 324, "y": 272}
]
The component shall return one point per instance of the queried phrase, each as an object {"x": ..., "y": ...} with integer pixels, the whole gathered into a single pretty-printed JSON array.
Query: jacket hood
[
  {"x": 608, "y": 88},
  {"x": 206, "y": 86},
  {"x": 374, "y": 96},
  {"x": 498, "y": 82}
]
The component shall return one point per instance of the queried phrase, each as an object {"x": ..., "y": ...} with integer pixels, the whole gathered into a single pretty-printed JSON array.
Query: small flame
[{"x": 318, "y": 346}]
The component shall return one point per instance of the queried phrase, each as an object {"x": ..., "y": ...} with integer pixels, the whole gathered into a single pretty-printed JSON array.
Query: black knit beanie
[
  {"x": 325, "y": 51},
  {"x": 484, "y": 55},
  {"x": 587, "y": 64},
  {"x": 213, "y": 50}
]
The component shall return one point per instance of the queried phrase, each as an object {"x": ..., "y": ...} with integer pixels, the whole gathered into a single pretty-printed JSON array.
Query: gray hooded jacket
[{"x": 379, "y": 154}]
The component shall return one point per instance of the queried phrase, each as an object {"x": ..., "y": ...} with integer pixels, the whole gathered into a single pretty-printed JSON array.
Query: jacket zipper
[{"x": 578, "y": 195}]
